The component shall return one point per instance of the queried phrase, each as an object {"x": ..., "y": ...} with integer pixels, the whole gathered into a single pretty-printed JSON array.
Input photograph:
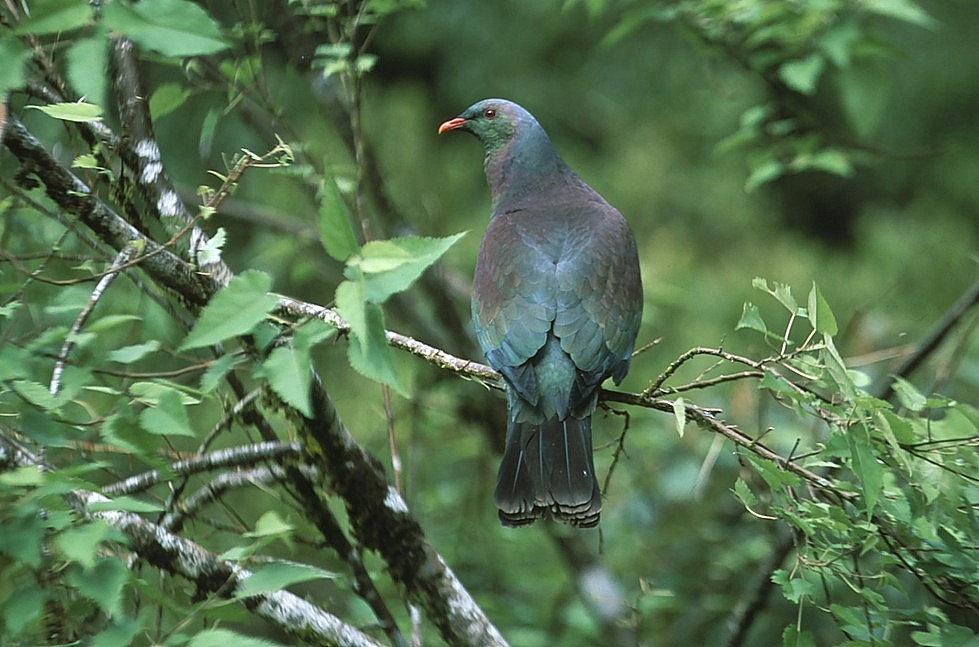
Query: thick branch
[{"x": 72, "y": 195}]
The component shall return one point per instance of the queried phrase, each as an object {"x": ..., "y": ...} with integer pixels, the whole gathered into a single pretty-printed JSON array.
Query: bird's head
[
  {"x": 518, "y": 153},
  {"x": 494, "y": 121}
]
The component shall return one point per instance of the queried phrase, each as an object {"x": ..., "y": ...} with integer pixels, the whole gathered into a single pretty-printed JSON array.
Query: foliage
[
  {"x": 793, "y": 48},
  {"x": 203, "y": 365},
  {"x": 897, "y": 500}
]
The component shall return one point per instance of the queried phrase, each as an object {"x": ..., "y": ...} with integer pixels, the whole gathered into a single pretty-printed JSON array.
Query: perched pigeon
[{"x": 556, "y": 304}]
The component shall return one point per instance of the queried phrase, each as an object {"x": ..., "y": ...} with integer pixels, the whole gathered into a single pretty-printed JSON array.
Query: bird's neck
[{"x": 521, "y": 167}]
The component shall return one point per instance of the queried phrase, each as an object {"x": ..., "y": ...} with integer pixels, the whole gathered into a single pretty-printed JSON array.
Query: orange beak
[{"x": 451, "y": 124}]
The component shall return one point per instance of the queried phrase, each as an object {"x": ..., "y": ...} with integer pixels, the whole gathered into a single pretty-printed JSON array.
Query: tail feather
[{"x": 547, "y": 470}]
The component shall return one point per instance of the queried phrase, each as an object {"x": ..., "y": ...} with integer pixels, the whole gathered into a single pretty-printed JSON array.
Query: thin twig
[{"x": 121, "y": 260}]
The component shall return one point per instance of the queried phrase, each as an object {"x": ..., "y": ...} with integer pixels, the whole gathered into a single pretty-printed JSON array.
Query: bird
[{"x": 556, "y": 305}]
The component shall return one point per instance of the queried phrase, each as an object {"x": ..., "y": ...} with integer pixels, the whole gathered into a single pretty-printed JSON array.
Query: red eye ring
[{"x": 489, "y": 113}]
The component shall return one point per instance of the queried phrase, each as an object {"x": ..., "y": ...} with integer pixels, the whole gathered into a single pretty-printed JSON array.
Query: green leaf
[
  {"x": 167, "y": 98},
  {"x": 865, "y": 466},
  {"x": 390, "y": 266},
  {"x": 679, "y": 416},
  {"x": 904, "y": 10},
  {"x": 168, "y": 417},
  {"x": 125, "y": 504},
  {"x": 820, "y": 314},
  {"x": 54, "y": 16},
  {"x": 208, "y": 128},
  {"x": 792, "y": 637},
  {"x": 278, "y": 576},
  {"x": 130, "y": 354},
  {"x": 909, "y": 396},
  {"x": 803, "y": 75},
  {"x": 72, "y": 111},
  {"x": 217, "y": 370},
  {"x": 289, "y": 372},
  {"x": 80, "y": 543},
  {"x": 751, "y": 318},
  {"x": 225, "y": 637},
  {"x": 762, "y": 172},
  {"x": 22, "y": 608},
  {"x": 368, "y": 351},
  {"x": 111, "y": 321},
  {"x": 744, "y": 493},
  {"x": 88, "y": 60},
  {"x": 793, "y": 588},
  {"x": 14, "y": 54},
  {"x": 313, "y": 332},
  {"x": 151, "y": 392},
  {"x": 102, "y": 583},
  {"x": 234, "y": 311},
  {"x": 336, "y": 231},
  {"x": 175, "y": 28},
  {"x": 831, "y": 160},
  {"x": 210, "y": 252},
  {"x": 37, "y": 394},
  {"x": 270, "y": 524}
]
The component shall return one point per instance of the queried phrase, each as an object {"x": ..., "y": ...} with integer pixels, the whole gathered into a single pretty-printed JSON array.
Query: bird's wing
[{"x": 571, "y": 271}]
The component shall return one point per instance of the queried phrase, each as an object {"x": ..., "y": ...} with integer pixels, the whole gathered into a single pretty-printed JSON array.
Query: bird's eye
[{"x": 489, "y": 113}]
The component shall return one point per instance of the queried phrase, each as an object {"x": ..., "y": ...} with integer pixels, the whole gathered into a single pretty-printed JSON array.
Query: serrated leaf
[
  {"x": 169, "y": 416},
  {"x": 793, "y": 588},
  {"x": 130, "y": 354},
  {"x": 391, "y": 266},
  {"x": 289, "y": 373},
  {"x": 35, "y": 393},
  {"x": 820, "y": 314},
  {"x": 225, "y": 637},
  {"x": 336, "y": 232},
  {"x": 270, "y": 524},
  {"x": 783, "y": 293},
  {"x": 151, "y": 392},
  {"x": 744, "y": 493},
  {"x": 210, "y": 252},
  {"x": 751, "y": 318},
  {"x": 54, "y": 16},
  {"x": 102, "y": 583},
  {"x": 233, "y": 311},
  {"x": 217, "y": 370},
  {"x": 71, "y": 111},
  {"x": 278, "y": 576},
  {"x": 908, "y": 395},
  {"x": 80, "y": 543},
  {"x": 367, "y": 350},
  {"x": 792, "y": 637},
  {"x": 313, "y": 332},
  {"x": 774, "y": 476},
  {"x": 679, "y": 416},
  {"x": 865, "y": 466},
  {"x": 175, "y": 28}
]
